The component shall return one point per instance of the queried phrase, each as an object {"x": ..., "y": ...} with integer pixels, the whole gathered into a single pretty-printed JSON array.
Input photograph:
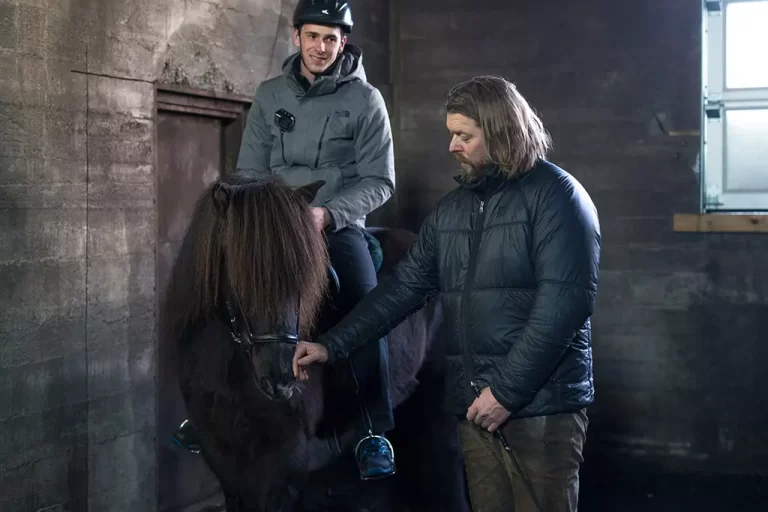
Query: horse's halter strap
[{"x": 253, "y": 339}]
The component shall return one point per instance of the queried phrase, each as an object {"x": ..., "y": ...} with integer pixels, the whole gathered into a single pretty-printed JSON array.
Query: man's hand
[
  {"x": 320, "y": 217},
  {"x": 306, "y": 354},
  {"x": 487, "y": 412}
]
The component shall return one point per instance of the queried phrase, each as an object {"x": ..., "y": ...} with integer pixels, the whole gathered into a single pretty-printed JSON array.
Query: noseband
[
  {"x": 242, "y": 334},
  {"x": 244, "y": 337}
]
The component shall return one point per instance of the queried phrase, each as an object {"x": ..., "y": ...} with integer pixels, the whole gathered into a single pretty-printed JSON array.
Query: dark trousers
[
  {"x": 369, "y": 365},
  {"x": 548, "y": 449}
]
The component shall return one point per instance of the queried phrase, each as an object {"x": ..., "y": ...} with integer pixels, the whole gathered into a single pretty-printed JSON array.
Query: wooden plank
[{"x": 720, "y": 223}]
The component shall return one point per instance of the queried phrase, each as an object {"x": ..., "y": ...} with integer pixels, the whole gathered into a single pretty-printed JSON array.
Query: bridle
[
  {"x": 243, "y": 334},
  {"x": 244, "y": 337},
  {"x": 249, "y": 339}
]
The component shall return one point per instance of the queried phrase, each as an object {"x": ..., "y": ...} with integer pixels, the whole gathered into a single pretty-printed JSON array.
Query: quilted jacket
[{"x": 515, "y": 263}]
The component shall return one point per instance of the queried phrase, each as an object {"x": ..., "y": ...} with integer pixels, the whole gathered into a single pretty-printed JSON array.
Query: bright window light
[
  {"x": 746, "y": 45},
  {"x": 746, "y": 150},
  {"x": 734, "y": 133}
]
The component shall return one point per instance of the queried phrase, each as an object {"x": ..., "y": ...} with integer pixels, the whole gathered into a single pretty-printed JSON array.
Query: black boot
[{"x": 375, "y": 457}]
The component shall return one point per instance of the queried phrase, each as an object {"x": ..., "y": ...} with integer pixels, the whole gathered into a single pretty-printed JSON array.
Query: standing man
[
  {"x": 321, "y": 120},
  {"x": 514, "y": 253}
]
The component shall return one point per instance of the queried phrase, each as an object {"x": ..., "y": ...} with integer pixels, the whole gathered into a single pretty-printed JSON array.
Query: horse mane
[
  {"x": 253, "y": 239},
  {"x": 255, "y": 236}
]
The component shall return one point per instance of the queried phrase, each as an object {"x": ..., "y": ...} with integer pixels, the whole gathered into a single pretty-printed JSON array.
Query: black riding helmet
[{"x": 324, "y": 12}]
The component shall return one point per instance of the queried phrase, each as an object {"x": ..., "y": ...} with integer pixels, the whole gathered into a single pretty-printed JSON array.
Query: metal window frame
[{"x": 716, "y": 102}]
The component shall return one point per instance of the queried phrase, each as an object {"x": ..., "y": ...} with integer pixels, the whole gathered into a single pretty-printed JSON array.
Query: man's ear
[
  {"x": 297, "y": 37},
  {"x": 309, "y": 191}
]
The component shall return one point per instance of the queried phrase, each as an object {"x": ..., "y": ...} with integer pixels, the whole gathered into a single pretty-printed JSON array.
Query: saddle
[{"x": 375, "y": 249}]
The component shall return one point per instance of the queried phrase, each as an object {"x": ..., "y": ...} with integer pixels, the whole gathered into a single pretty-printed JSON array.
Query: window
[{"x": 734, "y": 131}]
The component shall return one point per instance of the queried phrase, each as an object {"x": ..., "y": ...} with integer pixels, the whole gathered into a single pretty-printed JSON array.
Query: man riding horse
[{"x": 322, "y": 120}]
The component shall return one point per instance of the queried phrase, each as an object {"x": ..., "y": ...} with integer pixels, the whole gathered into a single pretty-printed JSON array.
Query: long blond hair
[{"x": 515, "y": 137}]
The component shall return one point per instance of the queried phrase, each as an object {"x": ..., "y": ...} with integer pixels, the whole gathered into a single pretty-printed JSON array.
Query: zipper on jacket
[
  {"x": 477, "y": 233},
  {"x": 320, "y": 142}
]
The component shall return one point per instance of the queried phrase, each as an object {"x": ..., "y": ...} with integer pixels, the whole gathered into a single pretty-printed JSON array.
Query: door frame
[{"x": 232, "y": 111}]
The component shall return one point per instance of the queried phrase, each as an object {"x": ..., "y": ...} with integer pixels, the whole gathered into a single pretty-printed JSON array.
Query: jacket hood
[{"x": 347, "y": 68}]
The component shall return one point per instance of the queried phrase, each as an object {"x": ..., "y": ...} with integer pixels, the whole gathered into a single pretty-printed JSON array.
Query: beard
[{"x": 469, "y": 170}]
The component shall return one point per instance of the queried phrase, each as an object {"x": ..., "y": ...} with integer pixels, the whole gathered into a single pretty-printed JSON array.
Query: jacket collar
[
  {"x": 488, "y": 182},
  {"x": 348, "y": 67}
]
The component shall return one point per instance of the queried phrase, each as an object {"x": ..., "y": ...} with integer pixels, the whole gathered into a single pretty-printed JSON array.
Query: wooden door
[{"x": 198, "y": 138}]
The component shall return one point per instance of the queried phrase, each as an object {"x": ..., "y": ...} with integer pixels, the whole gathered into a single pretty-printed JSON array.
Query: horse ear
[
  {"x": 221, "y": 198},
  {"x": 309, "y": 191}
]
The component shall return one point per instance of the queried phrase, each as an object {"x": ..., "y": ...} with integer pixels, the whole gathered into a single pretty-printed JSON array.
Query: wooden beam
[
  {"x": 198, "y": 110},
  {"x": 189, "y": 91},
  {"x": 720, "y": 223}
]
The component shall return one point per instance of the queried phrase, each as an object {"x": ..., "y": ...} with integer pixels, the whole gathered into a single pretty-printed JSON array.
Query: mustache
[{"x": 461, "y": 158}]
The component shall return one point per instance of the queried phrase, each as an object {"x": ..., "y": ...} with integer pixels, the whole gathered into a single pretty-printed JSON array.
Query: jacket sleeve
[
  {"x": 414, "y": 281},
  {"x": 256, "y": 145},
  {"x": 375, "y": 166},
  {"x": 565, "y": 254}
]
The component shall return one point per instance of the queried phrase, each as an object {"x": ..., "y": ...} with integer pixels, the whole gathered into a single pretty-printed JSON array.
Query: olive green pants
[{"x": 548, "y": 449}]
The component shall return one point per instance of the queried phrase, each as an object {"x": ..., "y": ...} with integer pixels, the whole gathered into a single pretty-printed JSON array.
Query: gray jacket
[{"x": 342, "y": 135}]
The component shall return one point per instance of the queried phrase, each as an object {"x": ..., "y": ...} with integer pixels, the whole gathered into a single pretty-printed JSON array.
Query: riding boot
[
  {"x": 375, "y": 457},
  {"x": 374, "y": 453}
]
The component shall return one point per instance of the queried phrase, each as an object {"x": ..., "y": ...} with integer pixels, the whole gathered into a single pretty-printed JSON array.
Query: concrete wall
[
  {"x": 682, "y": 319},
  {"x": 78, "y": 232}
]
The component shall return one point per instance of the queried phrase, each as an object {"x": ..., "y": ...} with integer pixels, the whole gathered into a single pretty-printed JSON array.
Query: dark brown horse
[{"x": 249, "y": 280}]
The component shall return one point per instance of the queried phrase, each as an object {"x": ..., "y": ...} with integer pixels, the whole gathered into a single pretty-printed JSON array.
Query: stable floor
[
  {"x": 668, "y": 493},
  {"x": 626, "y": 490}
]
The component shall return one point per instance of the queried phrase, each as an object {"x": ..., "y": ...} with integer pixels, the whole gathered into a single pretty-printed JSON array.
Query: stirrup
[
  {"x": 377, "y": 438},
  {"x": 179, "y": 441}
]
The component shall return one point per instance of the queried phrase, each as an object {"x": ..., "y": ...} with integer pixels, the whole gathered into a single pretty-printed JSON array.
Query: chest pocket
[{"x": 337, "y": 145}]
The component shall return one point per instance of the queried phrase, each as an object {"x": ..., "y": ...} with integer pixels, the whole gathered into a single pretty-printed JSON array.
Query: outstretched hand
[
  {"x": 307, "y": 353},
  {"x": 487, "y": 412}
]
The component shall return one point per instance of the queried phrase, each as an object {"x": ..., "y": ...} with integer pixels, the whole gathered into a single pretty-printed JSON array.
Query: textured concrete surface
[
  {"x": 77, "y": 217},
  {"x": 680, "y": 328}
]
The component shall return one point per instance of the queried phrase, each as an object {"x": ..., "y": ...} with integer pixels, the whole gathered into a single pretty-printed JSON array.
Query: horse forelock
[{"x": 255, "y": 239}]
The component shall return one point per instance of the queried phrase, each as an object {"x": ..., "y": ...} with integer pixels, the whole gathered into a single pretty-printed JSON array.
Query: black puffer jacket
[{"x": 516, "y": 264}]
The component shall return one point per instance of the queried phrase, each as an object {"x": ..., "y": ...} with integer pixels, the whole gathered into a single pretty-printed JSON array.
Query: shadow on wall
[
  {"x": 726, "y": 361},
  {"x": 690, "y": 397}
]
